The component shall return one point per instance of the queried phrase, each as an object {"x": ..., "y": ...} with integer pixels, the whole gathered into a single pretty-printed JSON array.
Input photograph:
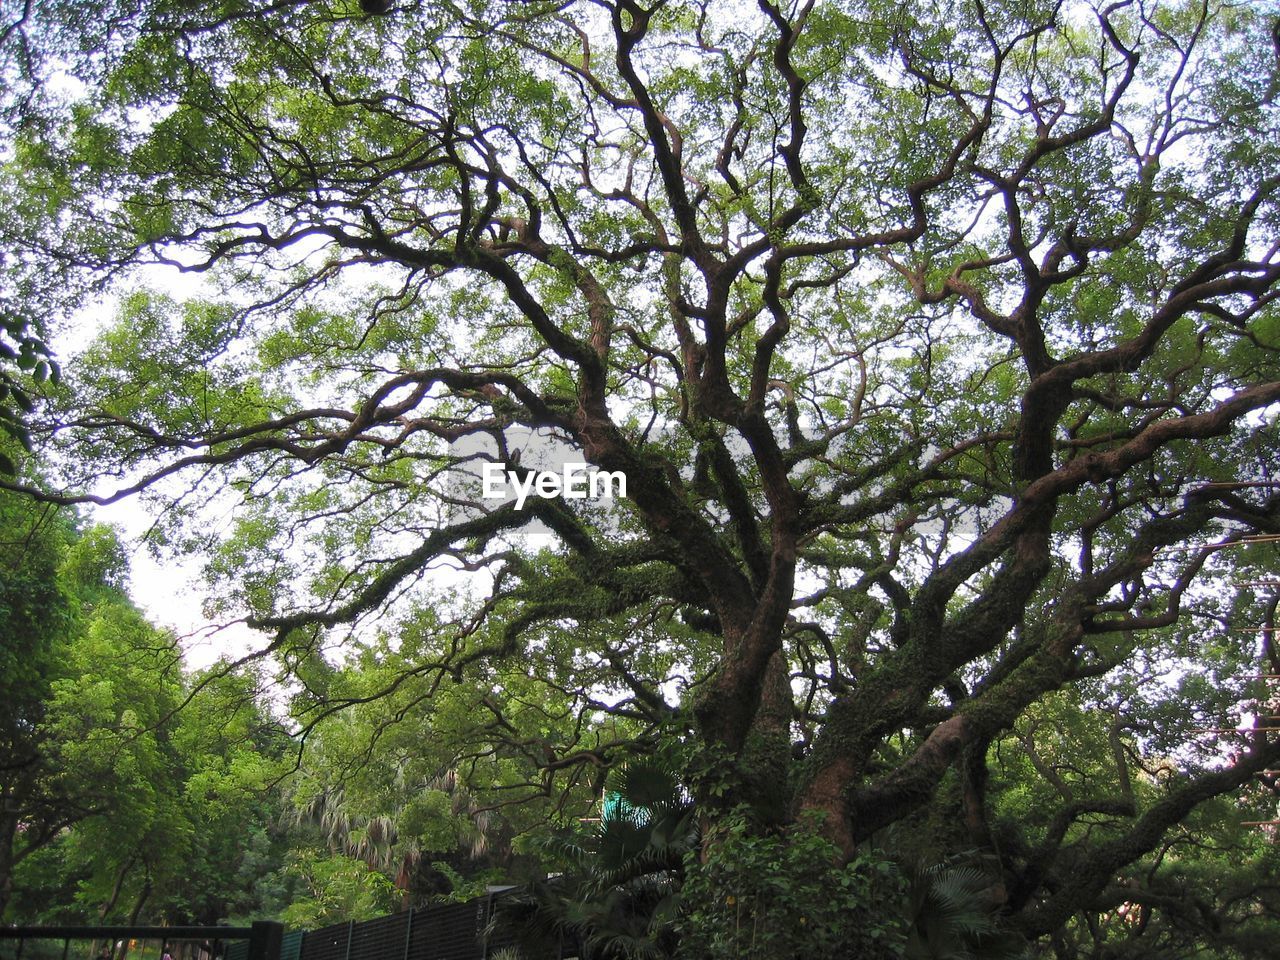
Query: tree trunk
[
  {"x": 110, "y": 903},
  {"x": 745, "y": 759}
]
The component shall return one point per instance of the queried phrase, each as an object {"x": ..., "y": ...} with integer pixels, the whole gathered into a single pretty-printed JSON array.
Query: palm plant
[
  {"x": 950, "y": 915},
  {"x": 618, "y": 896},
  {"x": 376, "y": 838}
]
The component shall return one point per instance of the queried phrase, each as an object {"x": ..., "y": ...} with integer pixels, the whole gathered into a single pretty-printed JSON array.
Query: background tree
[
  {"x": 938, "y": 345},
  {"x": 34, "y": 614},
  {"x": 415, "y": 783},
  {"x": 118, "y": 805}
]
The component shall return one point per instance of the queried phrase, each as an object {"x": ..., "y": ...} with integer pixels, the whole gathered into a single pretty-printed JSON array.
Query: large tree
[{"x": 937, "y": 343}]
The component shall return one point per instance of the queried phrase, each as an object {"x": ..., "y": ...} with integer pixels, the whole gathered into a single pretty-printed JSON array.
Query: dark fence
[
  {"x": 448, "y": 931},
  {"x": 261, "y": 941}
]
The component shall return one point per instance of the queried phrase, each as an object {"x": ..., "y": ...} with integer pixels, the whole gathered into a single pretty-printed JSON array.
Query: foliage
[
  {"x": 118, "y": 804},
  {"x": 950, "y": 913},
  {"x": 1063, "y": 753},
  {"x": 425, "y": 807},
  {"x": 34, "y": 612},
  {"x": 789, "y": 896},
  {"x": 338, "y": 889},
  {"x": 23, "y": 355},
  {"x": 619, "y": 892},
  {"x": 88, "y": 683}
]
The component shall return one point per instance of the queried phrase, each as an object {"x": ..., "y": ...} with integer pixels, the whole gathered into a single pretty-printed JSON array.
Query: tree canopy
[{"x": 938, "y": 344}]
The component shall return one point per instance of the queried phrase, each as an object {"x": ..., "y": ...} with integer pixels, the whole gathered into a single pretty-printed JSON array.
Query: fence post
[
  {"x": 264, "y": 940},
  {"x": 408, "y": 935}
]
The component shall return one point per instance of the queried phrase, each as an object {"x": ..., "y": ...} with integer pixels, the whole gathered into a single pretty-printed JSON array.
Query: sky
[{"x": 171, "y": 592}]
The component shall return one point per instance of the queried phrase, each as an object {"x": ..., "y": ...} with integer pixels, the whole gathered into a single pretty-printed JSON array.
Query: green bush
[{"x": 785, "y": 896}]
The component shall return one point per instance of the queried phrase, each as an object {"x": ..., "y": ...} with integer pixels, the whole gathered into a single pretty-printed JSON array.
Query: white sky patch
[{"x": 171, "y": 592}]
